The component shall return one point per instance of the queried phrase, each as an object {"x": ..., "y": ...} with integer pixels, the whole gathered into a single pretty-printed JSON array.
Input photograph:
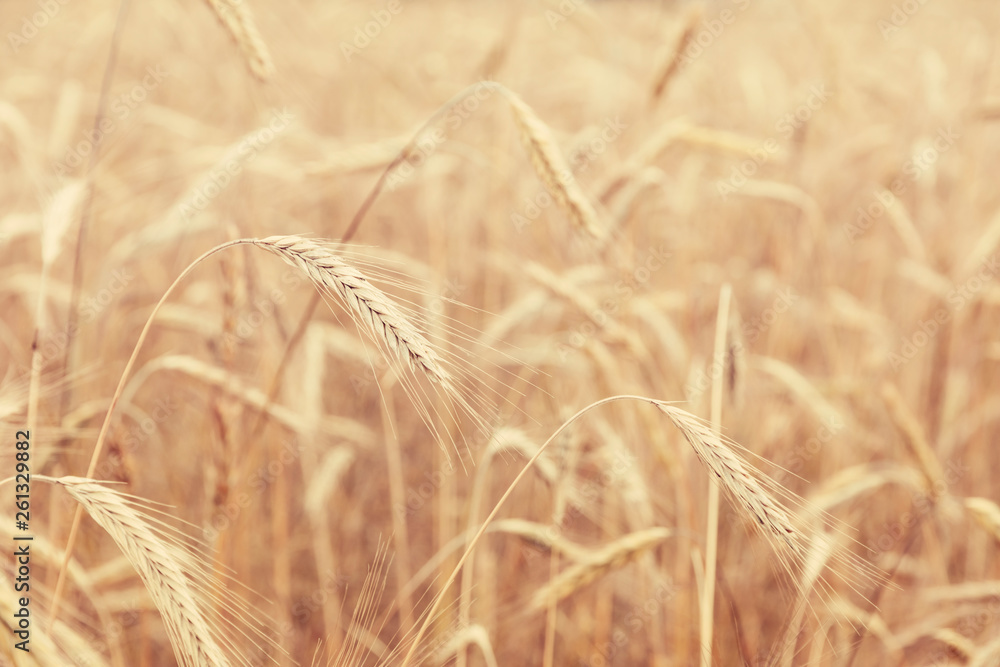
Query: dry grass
[{"x": 777, "y": 222}]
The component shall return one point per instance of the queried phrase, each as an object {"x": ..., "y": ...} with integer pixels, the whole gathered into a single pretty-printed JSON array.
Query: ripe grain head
[
  {"x": 372, "y": 310},
  {"x": 552, "y": 168},
  {"x": 165, "y": 569},
  {"x": 737, "y": 478}
]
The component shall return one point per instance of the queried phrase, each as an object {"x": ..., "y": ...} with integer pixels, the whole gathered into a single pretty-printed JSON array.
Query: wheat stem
[
  {"x": 712, "y": 529},
  {"x": 732, "y": 472}
]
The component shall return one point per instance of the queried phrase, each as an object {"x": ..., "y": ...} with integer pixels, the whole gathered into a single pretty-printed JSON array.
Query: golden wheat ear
[
  {"x": 735, "y": 477},
  {"x": 596, "y": 565},
  {"x": 378, "y": 316},
  {"x": 236, "y": 17},
  {"x": 178, "y": 577},
  {"x": 552, "y": 168}
]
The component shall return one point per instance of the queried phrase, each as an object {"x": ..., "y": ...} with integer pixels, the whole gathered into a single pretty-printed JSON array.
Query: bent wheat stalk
[
  {"x": 544, "y": 155},
  {"x": 370, "y": 308},
  {"x": 733, "y": 473}
]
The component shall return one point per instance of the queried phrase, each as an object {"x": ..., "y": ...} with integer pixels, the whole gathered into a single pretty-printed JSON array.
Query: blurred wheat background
[{"x": 786, "y": 205}]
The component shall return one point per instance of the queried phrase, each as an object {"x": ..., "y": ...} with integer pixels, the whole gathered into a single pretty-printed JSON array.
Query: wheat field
[{"x": 534, "y": 332}]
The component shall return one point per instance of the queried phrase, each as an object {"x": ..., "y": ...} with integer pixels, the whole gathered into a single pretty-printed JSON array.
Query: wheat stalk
[
  {"x": 915, "y": 439},
  {"x": 673, "y": 63},
  {"x": 469, "y": 635},
  {"x": 161, "y": 566},
  {"x": 381, "y": 319},
  {"x": 234, "y": 387},
  {"x": 375, "y": 313},
  {"x": 733, "y": 473}
]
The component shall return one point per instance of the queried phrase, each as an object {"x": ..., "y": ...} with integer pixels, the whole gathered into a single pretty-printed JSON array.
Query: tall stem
[
  {"x": 707, "y": 623},
  {"x": 496, "y": 509}
]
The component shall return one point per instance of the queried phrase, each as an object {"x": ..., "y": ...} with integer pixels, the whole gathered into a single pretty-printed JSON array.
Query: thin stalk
[
  {"x": 496, "y": 509},
  {"x": 397, "y": 495},
  {"x": 712, "y": 529}
]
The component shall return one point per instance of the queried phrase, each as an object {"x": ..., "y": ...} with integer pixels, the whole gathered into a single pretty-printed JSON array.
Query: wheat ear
[
  {"x": 236, "y": 17},
  {"x": 673, "y": 63},
  {"x": 611, "y": 557},
  {"x": 552, "y": 168},
  {"x": 735, "y": 476},
  {"x": 371, "y": 307},
  {"x": 161, "y": 566}
]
